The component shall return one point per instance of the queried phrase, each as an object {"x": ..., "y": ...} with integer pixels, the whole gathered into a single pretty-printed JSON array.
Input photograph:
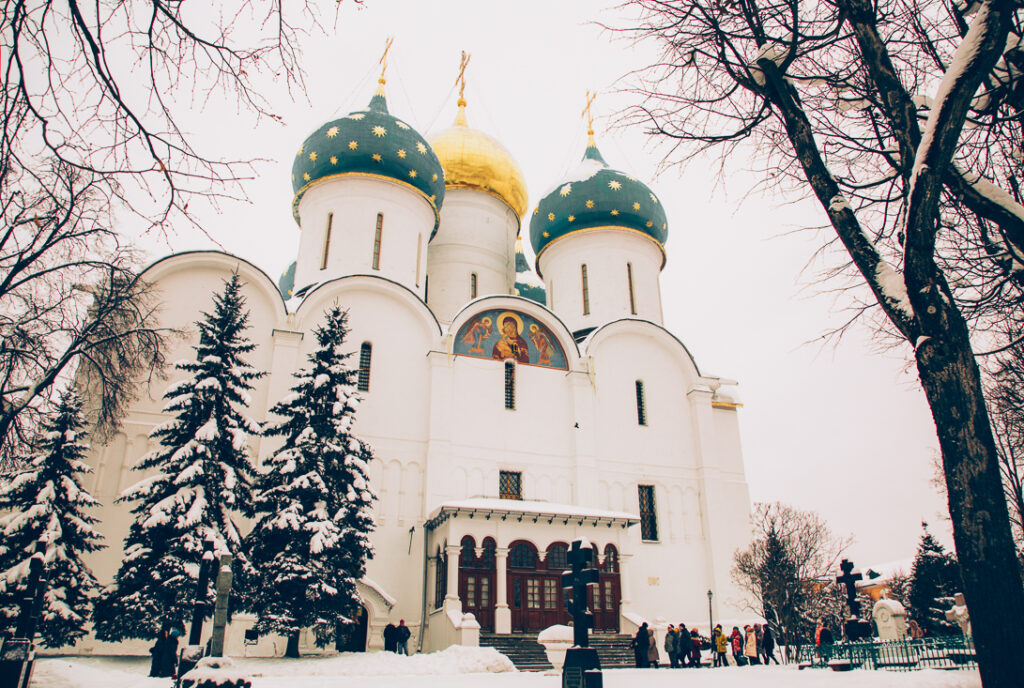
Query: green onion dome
[
  {"x": 371, "y": 143},
  {"x": 596, "y": 196}
]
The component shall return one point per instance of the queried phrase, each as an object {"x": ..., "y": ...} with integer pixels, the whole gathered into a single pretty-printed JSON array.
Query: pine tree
[
  {"x": 202, "y": 476},
  {"x": 310, "y": 544},
  {"x": 47, "y": 501},
  {"x": 934, "y": 580}
]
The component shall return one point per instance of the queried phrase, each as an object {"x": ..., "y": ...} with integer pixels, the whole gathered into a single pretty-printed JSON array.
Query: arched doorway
[{"x": 351, "y": 637}]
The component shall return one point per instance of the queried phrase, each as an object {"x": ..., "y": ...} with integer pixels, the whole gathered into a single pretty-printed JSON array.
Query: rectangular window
[
  {"x": 608, "y": 601},
  {"x": 510, "y": 385},
  {"x": 376, "y": 241},
  {"x": 641, "y": 403},
  {"x": 550, "y": 593},
  {"x": 632, "y": 296},
  {"x": 471, "y": 591},
  {"x": 327, "y": 241},
  {"x": 485, "y": 593},
  {"x": 648, "y": 518},
  {"x": 472, "y": 285},
  {"x": 510, "y": 485},
  {"x": 532, "y": 593},
  {"x": 365, "y": 353},
  {"x": 586, "y": 290}
]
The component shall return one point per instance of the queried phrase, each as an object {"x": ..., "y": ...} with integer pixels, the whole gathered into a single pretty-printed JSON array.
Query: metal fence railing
[{"x": 952, "y": 652}]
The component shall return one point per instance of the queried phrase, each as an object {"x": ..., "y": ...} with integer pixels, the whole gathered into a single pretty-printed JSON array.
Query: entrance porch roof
[{"x": 488, "y": 508}]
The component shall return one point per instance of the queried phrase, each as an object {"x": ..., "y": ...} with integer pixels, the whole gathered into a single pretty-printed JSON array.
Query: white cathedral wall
[
  {"x": 477, "y": 236},
  {"x": 606, "y": 253},
  {"x": 355, "y": 201}
]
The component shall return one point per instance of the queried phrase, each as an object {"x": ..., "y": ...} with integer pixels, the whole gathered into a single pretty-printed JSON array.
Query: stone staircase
[{"x": 528, "y": 655}]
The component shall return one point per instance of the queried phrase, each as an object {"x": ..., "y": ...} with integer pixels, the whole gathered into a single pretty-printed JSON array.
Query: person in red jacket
[{"x": 736, "y": 640}]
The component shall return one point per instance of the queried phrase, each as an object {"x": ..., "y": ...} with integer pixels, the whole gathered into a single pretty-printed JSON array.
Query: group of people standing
[
  {"x": 396, "y": 638},
  {"x": 754, "y": 645}
]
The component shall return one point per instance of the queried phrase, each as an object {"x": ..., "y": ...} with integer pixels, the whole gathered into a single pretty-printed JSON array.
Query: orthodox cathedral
[{"x": 507, "y": 418}]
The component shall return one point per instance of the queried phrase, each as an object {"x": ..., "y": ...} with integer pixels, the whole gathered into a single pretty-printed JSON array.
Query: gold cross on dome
[
  {"x": 384, "y": 58},
  {"x": 461, "y": 78},
  {"x": 586, "y": 112}
]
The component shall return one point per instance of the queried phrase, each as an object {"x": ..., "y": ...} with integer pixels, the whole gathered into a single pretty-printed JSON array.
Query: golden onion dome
[{"x": 472, "y": 159}]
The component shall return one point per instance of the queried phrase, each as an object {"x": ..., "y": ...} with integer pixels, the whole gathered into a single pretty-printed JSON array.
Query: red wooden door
[
  {"x": 476, "y": 590},
  {"x": 604, "y": 602}
]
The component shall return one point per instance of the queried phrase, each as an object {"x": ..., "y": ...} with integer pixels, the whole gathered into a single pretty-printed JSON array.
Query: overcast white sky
[{"x": 838, "y": 429}]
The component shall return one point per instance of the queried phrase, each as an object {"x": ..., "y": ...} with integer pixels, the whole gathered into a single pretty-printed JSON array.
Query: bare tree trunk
[{"x": 977, "y": 504}]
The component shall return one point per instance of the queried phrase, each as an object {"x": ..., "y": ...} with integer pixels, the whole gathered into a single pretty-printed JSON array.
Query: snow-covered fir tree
[
  {"x": 310, "y": 544},
  {"x": 200, "y": 479},
  {"x": 934, "y": 580},
  {"x": 47, "y": 501}
]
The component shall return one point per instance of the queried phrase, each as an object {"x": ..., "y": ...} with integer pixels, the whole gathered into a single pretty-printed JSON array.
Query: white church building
[{"x": 506, "y": 419}]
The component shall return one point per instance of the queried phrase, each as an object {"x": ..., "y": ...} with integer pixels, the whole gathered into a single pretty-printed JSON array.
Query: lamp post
[{"x": 711, "y": 623}]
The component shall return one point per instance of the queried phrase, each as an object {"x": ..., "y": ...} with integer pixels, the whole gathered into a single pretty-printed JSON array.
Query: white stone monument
[
  {"x": 959, "y": 615},
  {"x": 890, "y": 618}
]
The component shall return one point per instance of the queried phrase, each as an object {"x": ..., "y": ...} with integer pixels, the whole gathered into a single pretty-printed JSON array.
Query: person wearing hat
[
  {"x": 403, "y": 638},
  {"x": 720, "y": 645},
  {"x": 672, "y": 646}
]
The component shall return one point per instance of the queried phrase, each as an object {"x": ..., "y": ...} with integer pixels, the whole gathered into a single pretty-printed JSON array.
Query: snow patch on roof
[{"x": 533, "y": 507}]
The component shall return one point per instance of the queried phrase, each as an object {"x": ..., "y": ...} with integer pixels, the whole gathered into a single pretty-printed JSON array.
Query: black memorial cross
[
  {"x": 577, "y": 579},
  {"x": 849, "y": 579}
]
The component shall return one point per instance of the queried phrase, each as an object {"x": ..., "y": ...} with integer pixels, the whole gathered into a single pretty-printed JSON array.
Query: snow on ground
[{"x": 458, "y": 667}]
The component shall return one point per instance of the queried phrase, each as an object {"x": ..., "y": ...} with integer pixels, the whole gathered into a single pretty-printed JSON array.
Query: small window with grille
[
  {"x": 648, "y": 517},
  {"x": 472, "y": 285},
  {"x": 510, "y": 485},
  {"x": 632, "y": 295},
  {"x": 365, "y": 354},
  {"x": 440, "y": 578},
  {"x": 510, "y": 385},
  {"x": 641, "y": 403}
]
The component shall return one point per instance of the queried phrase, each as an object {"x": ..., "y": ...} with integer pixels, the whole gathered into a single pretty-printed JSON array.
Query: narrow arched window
[
  {"x": 376, "y": 241},
  {"x": 641, "y": 403},
  {"x": 365, "y": 353},
  {"x": 327, "y": 241},
  {"x": 510, "y": 385},
  {"x": 632, "y": 295},
  {"x": 419, "y": 257},
  {"x": 586, "y": 290},
  {"x": 472, "y": 285}
]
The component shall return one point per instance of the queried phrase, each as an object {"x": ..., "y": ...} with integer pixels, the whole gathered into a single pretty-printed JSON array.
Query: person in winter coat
[
  {"x": 390, "y": 637},
  {"x": 768, "y": 645},
  {"x": 165, "y": 653},
  {"x": 750, "y": 645},
  {"x": 640, "y": 643},
  {"x": 695, "y": 648},
  {"x": 652, "y": 652},
  {"x": 736, "y": 640},
  {"x": 402, "y": 635},
  {"x": 672, "y": 646},
  {"x": 720, "y": 645}
]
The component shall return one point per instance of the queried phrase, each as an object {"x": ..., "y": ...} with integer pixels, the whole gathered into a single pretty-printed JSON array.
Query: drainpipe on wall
[{"x": 423, "y": 612}]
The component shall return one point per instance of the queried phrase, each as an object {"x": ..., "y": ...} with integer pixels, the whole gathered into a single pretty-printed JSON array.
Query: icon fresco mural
[{"x": 500, "y": 334}]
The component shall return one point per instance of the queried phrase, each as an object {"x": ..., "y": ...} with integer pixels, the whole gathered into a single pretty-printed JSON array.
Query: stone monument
[
  {"x": 891, "y": 619},
  {"x": 959, "y": 615},
  {"x": 855, "y": 628},
  {"x": 582, "y": 668}
]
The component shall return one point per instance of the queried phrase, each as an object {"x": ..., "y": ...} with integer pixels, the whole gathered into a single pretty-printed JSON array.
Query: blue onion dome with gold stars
[
  {"x": 596, "y": 196},
  {"x": 472, "y": 159},
  {"x": 370, "y": 142}
]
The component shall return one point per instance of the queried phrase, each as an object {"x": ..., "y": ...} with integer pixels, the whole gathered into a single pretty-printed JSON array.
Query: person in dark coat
[
  {"x": 641, "y": 646},
  {"x": 768, "y": 645},
  {"x": 672, "y": 646},
  {"x": 165, "y": 653},
  {"x": 402, "y": 634},
  {"x": 695, "y": 647},
  {"x": 391, "y": 638}
]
